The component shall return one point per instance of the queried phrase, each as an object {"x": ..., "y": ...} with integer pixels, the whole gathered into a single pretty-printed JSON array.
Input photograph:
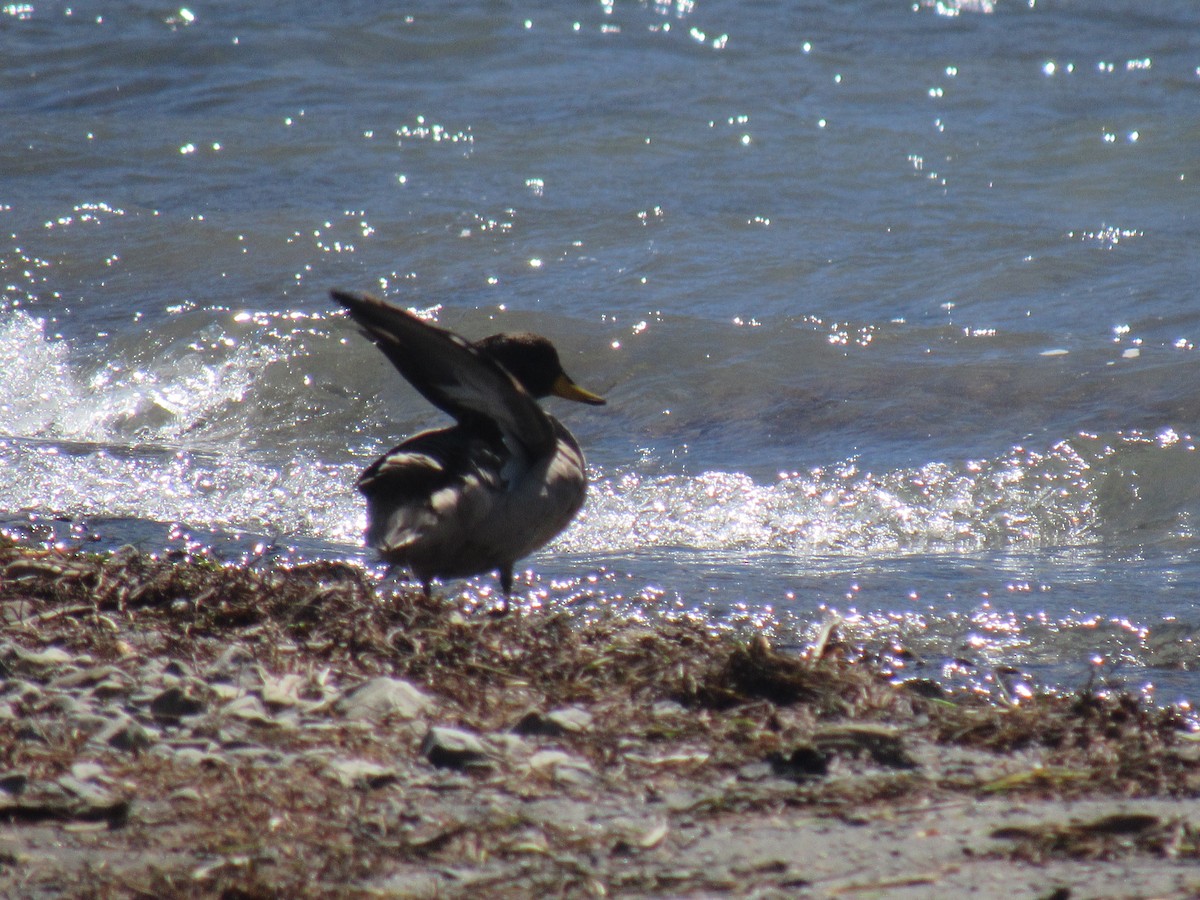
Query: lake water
[{"x": 895, "y": 303}]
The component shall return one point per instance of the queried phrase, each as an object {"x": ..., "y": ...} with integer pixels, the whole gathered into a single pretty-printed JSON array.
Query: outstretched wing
[{"x": 450, "y": 373}]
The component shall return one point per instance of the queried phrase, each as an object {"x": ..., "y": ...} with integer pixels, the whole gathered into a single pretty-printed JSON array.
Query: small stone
[
  {"x": 453, "y": 748},
  {"x": 226, "y": 692},
  {"x": 87, "y": 722},
  {"x": 176, "y": 669},
  {"x": 13, "y": 782},
  {"x": 562, "y": 767},
  {"x": 39, "y": 659},
  {"x": 925, "y": 687},
  {"x": 67, "y": 799},
  {"x": 360, "y": 773},
  {"x": 174, "y": 703},
  {"x": 87, "y": 771},
  {"x": 282, "y": 692},
  {"x": 755, "y": 771},
  {"x": 802, "y": 763},
  {"x": 123, "y": 733},
  {"x": 687, "y": 799},
  {"x": 568, "y": 720},
  {"x": 571, "y": 719},
  {"x": 249, "y": 709},
  {"x": 84, "y": 677},
  {"x": 384, "y": 696},
  {"x": 67, "y": 705},
  {"x": 195, "y": 756},
  {"x": 637, "y": 833},
  {"x": 509, "y": 746},
  {"x": 112, "y": 687},
  {"x": 653, "y": 836},
  {"x": 254, "y": 753}
]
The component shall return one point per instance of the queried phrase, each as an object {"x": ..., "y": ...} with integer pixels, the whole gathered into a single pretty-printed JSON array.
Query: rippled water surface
[{"x": 895, "y": 304}]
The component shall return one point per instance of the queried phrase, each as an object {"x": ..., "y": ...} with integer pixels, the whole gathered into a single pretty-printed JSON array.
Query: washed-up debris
[
  {"x": 270, "y": 730},
  {"x": 883, "y": 743},
  {"x": 1108, "y": 837}
]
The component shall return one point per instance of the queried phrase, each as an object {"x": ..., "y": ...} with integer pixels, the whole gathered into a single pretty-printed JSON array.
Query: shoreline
[{"x": 186, "y": 728}]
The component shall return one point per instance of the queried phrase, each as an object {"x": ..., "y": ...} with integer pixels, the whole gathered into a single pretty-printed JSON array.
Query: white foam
[
  {"x": 229, "y": 492},
  {"x": 182, "y": 436},
  {"x": 161, "y": 400},
  {"x": 34, "y": 378},
  {"x": 1022, "y": 500},
  {"x": 155, "y": 442}
]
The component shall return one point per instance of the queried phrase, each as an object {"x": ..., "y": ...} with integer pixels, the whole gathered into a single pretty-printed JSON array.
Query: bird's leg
[{"x": 506, "y": 581}]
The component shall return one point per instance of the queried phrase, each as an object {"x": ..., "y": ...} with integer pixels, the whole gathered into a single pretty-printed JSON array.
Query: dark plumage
[{"x": 494, "y": 487}]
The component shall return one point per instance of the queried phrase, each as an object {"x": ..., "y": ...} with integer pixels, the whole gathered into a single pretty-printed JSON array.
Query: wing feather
[{"x": 450, "y": 373}]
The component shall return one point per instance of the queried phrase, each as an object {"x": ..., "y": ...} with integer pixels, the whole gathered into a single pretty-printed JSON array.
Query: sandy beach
[{"x": 180, "y": 728}]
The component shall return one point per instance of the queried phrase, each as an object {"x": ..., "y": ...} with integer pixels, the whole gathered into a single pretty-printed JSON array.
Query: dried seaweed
[{"x": 736, "y": 725}]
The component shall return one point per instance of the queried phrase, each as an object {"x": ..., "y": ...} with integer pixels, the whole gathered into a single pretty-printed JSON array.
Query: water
[{"x": 894, "y": 304}]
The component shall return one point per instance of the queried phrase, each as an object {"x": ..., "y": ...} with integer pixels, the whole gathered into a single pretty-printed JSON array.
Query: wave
[
  {"x": 1078, "y": 492},
  {"x": 224, "y": 421}
]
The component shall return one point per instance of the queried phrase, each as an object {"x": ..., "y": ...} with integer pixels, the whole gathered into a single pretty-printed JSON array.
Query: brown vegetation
[{"x": 680, "y": 724}]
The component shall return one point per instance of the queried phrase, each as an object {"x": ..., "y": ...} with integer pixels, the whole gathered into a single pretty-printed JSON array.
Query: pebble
[
  {"x": 15, "y": 612},
  {"x": 361, "y": 773},
  {"x": 123, "y": 733},
  {"x": 118, "y": 685},
  {"x": 230, "y": 714},
  {"x": 84, "y": 677},
  {"x": 87, "y": 771},
  {"x": 64, "y": 799},
  {"x": 195, "y": 756},
  {"x": 225, "y": 692},
  {"x": 88, "y": 722},
  {"x": 800, "y": 764},
  {"x": 668, "y": 709},
  {"x": 383, "y": 696},
  {"x": 557, "y": 722},
  {"x": 282, "y": 692},
  {"x": 13, "y": 782},
  {"x": 249, "y": 709},
  {"x": 563, "y": 767},
  {"x": 21, "y": 658},
  {"x": 454, "y": 748},
  {"x": 175, "y": 703}
]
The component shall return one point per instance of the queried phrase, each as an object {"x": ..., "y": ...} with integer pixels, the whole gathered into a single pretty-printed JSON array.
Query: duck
[{"x": 494, "y": 487}]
